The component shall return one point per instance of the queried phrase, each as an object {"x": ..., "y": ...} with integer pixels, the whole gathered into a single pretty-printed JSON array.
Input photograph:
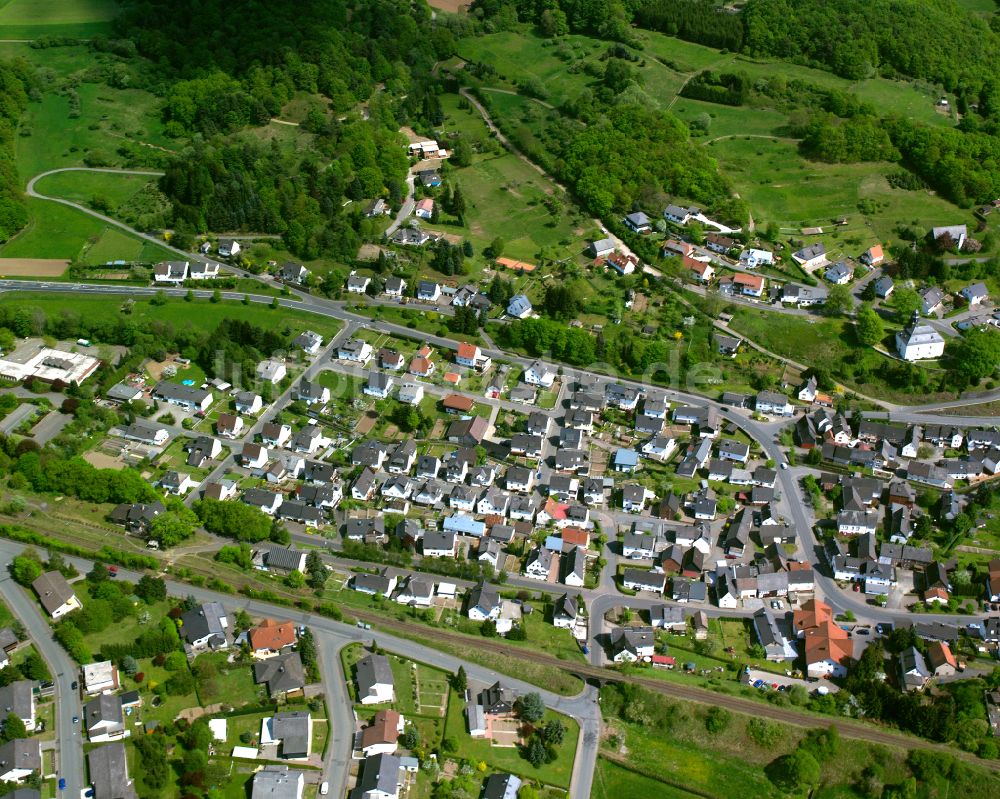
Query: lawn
[
  {"x": 198, "y": 315},
  {"x": 25, "y": 19},
  {"x": 612, "y": 781},
  {"x": 129, "y": 628},
  {"x": 222, "y": 681},
  {"x": 509, "y": 758}
]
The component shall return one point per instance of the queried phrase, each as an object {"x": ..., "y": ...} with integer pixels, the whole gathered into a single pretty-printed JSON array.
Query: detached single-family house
[
  {"x": 638, "y": 222},
  {"x": 355, "y": 350},
  {"x": 975, "y": 294},
  {"x": 425, "y": 208},
  {"x": 284, "y": 675},
  {"x": 55, "y": 594},
  {"x": 428, "y": 291},
  {"x": 884, "y": 286},
  {"x": 873, "y": 256},
  {"x": 810, "y": 257},
  {"x": 374, "y": 680},
  {"x": 358, "y": 284},
  {"x": 519, "y": 306},
  {"x": 840, "y": 274}
]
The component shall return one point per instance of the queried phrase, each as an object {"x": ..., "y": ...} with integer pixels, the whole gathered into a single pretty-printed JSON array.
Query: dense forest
[
  {"x": 15, "y": 82},
  {"x": 365, "y": 67}
]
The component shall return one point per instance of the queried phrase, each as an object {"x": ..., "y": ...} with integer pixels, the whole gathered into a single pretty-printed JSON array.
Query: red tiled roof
[{"x": 271, "y": 634}]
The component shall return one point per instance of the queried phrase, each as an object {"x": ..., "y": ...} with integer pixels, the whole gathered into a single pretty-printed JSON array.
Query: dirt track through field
[{"x": 32, "y": 267}]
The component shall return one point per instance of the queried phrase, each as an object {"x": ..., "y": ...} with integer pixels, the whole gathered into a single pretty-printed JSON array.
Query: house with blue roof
[
  {"x": 462, "y": 524},
  {"x": 626, "y": 460},
  {"x": 554, "y": 543}
]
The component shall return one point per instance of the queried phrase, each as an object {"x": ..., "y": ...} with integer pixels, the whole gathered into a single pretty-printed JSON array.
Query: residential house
[
  {"x": 206, "y": 626},
  {"x": 379, "y": 384},
  {"x": 638, "y": 222},
  {"x": 355, "y": 350},
  {"x": 428, "y": 291},
  {"x": 312, "y": 393},
  {"x": 284, "y": 674},
  {"x": 519, "y": 307},
  {"x": 374, "y": 680},
  {"x": 270, "y": 637},
  {"x": 104, "y": 719},
  {"x": 975, "y": 294},
  {"x": 381, "y": 736},
  {"x": 873, "y": 256},
  {"x": 631, "y": 644},
  {"x": 190, "y": 398},
  {"x": 55, "y": 594},
  {"x": 913, "y": 671},
  {"x": 108, "y": 769},
  {"x": 884, "y": 286}
]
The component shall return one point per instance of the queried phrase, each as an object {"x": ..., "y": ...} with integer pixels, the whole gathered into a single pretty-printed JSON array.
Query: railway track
[{"x": 847, "y": 728}]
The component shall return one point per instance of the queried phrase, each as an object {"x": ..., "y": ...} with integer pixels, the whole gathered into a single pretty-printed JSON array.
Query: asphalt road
[
  {"x": 331, "y": 637},
  {"x": 64, "y": 672}
]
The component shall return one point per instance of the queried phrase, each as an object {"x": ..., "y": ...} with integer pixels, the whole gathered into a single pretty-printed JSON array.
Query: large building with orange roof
[
  {"x": 828, "y": 649},
  {"x": 812, "y": 614}
]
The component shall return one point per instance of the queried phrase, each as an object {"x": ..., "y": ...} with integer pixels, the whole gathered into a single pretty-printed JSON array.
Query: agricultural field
[{"x": 27, "y": 19}]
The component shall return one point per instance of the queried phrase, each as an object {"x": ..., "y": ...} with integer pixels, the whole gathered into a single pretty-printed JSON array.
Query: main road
[
  {"x": 64, "y": 672},
  {"x": 766, "y": 433}
]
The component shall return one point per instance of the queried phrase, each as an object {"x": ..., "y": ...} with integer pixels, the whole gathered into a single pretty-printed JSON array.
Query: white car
[{"x": 324, "y": 788}]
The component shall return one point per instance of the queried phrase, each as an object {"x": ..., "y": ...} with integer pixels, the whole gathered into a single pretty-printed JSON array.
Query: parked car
[
  {"x": 62, "y": 783},
  {"x": 324, "y": 788}
]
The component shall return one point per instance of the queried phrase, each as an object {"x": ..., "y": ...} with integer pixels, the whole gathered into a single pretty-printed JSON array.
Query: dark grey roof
[
  {"x": 276, "y": 782},
  {"x": 373, "y": 670},
  {"x": 282, "y": 557},
  {"x": 109, "y": 772},
  {"x": 104, "y": 708},
  {"x": 203, "y": 621},
  {"x": 379, "y": 776},
  {"x": 282, "y": 673},
  {"x": 292, "y": 729},
  {"x": 16, "y": 698},
  {"x": 502, "y": 786},
  {"x": 177, "y": 392}
]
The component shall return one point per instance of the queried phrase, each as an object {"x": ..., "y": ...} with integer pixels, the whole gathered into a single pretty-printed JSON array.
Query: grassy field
[
  {"x": 504, "y": 197},
  {"x": 53, "y": 137},
  {"x": 509, "y": 758},
  {"x": 81, "y": 187},
  {"x": 523, "y": 55},
  {"x": 26, "y": 19},
  {"x": 200, "y": 314},
  {"x": 782, "y": 187},
  {"x": 730, "y": 121},
  {"x": 612, "y": 781}
]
